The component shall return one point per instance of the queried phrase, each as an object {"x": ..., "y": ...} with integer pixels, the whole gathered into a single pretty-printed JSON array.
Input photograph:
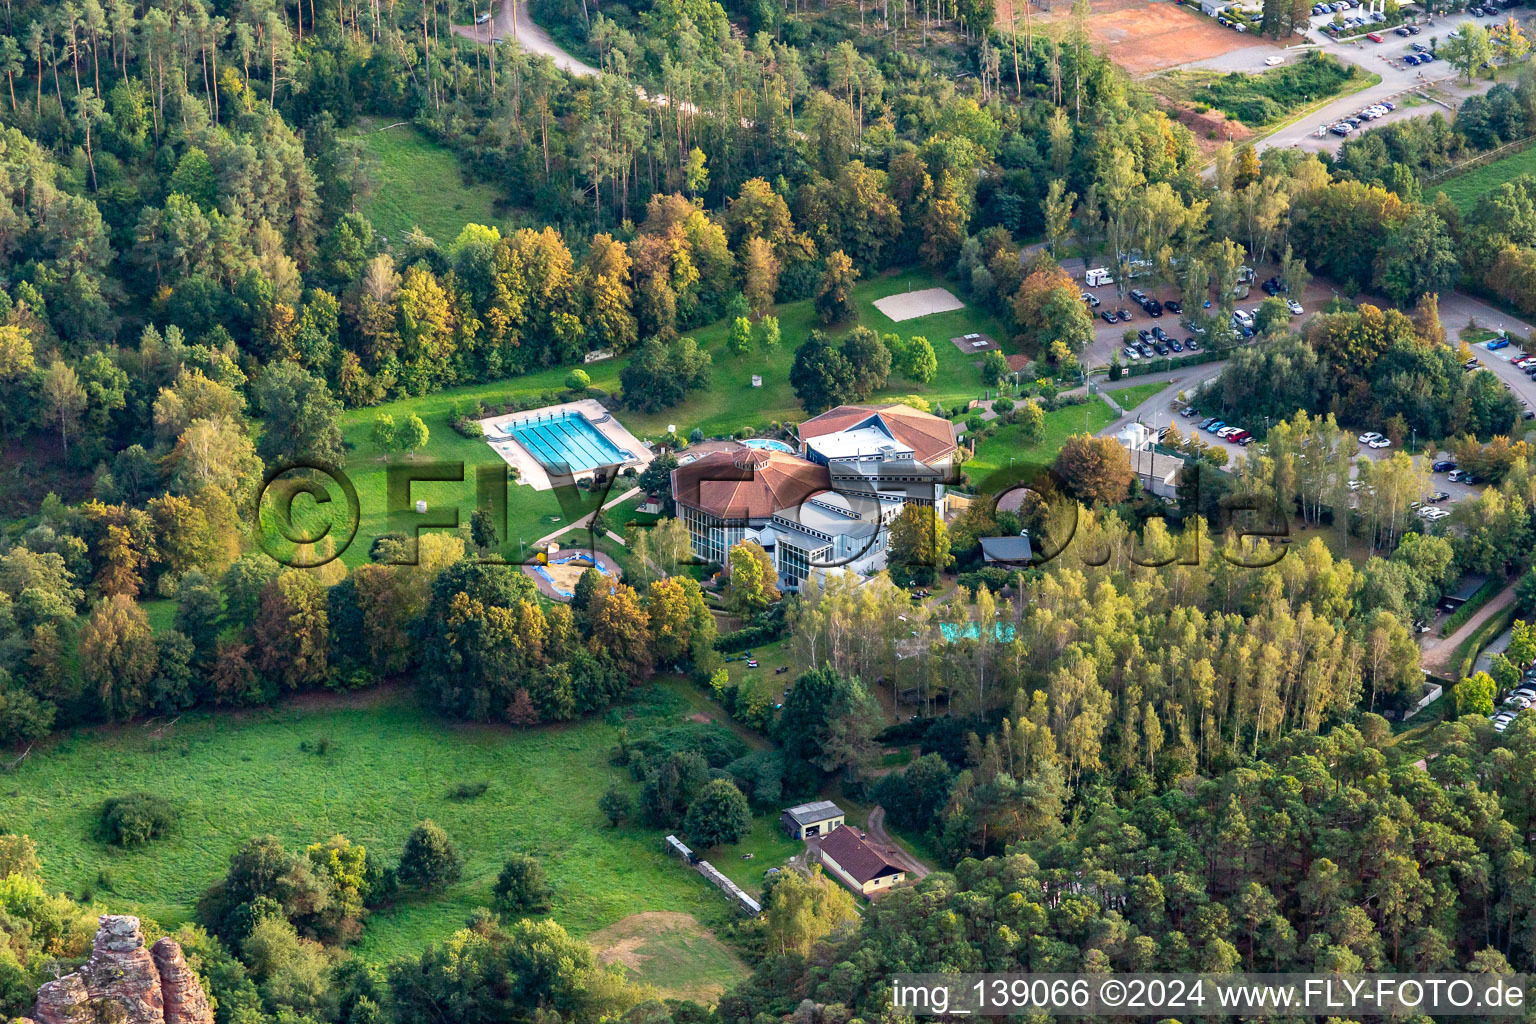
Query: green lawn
[
  {"x": 728, "y": 405},
  {"x": 731, "y": 403},
  {"x": 993, "y": 453},
  {"x": 1130, "y": 397},
  {"x": 1465, "y": 189},
  {"x": 386, "y": 766},
  {"x": 418, "y": 183}
]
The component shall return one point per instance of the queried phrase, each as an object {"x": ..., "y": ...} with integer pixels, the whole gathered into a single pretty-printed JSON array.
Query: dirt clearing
[
  {"x": 673, "y": 952},
  {"x": 1142, "y": 36}
]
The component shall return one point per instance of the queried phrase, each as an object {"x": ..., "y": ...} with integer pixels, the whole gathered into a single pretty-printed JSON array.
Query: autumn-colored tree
[
  {"x": 753, "y": 583},
  {"x": 64, "y": 397},
  {"x": 760, "y": 274},
  {"x": 291, "y": 632},
  {"x": 1095, "y": 468},
  {"x": 919, "y": 539},
  {"x": 680, "y": 620},
  {"x": 943, "y": 225},
  {"x": 620, "y": 631},
  {"x": 834, "y": 294},
  {"x": 118, "y": 656},
  {"x": 603, "y": 283}
]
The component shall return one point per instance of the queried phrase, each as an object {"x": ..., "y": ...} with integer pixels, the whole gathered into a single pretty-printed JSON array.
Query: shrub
[
  {"x": 468, "y": 790},
  {"x": 136, "y": 819},
  {"x": 522, "y": 887},
  {"x": 430, "y": 860}
]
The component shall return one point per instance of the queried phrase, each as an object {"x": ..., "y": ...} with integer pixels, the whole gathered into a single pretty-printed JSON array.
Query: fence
[
  {"x": 1508, "y": 149},
  {"x": 743, "y": 902},
  {"x": 746, "y": 904}
]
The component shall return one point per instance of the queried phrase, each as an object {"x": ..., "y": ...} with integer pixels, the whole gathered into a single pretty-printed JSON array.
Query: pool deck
[{"x": 532, "y": 472}]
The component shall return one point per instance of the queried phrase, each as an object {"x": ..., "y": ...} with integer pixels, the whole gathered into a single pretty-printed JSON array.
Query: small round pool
[{"x": 769, "y": 443}]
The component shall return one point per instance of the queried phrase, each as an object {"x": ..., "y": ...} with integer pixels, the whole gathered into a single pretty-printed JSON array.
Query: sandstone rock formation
[
  {"x": 185, "y": 1000},
  {"x": 124, "y": 983}
]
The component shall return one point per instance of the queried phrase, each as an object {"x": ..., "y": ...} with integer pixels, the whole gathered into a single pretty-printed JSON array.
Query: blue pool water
[
  {"x": 953, "y": 631},
  {"x": 568, "y": 440},
  {"x": 769, "y": 443}
]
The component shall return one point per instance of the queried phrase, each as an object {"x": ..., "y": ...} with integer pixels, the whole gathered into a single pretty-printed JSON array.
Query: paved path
[
  {"x": 586, "y": 519},
  {"x": 1437, "y": 654}
]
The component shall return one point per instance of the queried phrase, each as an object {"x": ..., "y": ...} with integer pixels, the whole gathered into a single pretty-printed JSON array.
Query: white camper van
[{"x": 1098, "y": 276}]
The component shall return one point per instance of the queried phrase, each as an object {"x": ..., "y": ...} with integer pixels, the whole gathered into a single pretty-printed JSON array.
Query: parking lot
[
  {"x": 1399, "y": 80},
  {"x": 1109, "y": 338}
]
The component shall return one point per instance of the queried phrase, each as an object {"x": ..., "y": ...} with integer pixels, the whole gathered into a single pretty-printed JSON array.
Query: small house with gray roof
[{"x": 809, "y": 821}]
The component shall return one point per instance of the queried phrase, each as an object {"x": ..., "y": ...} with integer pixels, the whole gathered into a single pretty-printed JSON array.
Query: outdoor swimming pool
[
  {"x": 567, "y": 439},
  {"x": 769, "y": 443},
  {"x": 953, "y": 631}
]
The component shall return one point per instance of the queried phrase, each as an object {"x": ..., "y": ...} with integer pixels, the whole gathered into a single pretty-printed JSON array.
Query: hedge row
[
  {"x": 1210, "y": 355},
  {"x": 1483, "y": 636},
  {"x": 1482, "y": 596}
]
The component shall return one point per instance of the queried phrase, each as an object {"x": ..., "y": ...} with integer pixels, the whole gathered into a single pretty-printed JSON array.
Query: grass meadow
[
  {"x": 1464, "y": 190},
  {"x": 418, "y": 183},
  {"x": 369, "y": 766}
]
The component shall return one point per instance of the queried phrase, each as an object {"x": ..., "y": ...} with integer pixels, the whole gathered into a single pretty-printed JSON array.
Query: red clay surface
[{"x": 1142, "y": 36}]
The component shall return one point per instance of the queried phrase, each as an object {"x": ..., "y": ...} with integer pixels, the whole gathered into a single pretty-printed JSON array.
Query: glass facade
[{"x": 712, "y": 537}]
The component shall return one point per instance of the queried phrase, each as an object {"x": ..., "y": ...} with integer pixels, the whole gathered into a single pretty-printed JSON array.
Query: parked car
[
  {"x": 1143, "y": 336},
  {"x": 1108, "y": 317},
  {"x": 1124, "y": 315},
  {"x": 1459, "y": 476},
  {"x": 1132, "y": 353},
  {"x": 1380, "y": 442},
  {"x": 1342, "y": 129},
  {"x": 1443, "y": 466},
  {"x": 1369, "y": 436},
  {"x": 1159, "y": 334},
  {"x": 1153, "y": 308},
  {"x": 1205, "y": 424},
  {"x": 1090, "y": 298},
  {"x": 1497, "y": 343},
  {"x": 1215, "y": 425},
  {"x": 1173, "y": 343},
  {"x": 1192, "y": 344},
  {"x": 1293, "y": 306},
  {"x": 1138, "y": 296},
  {"x": 1173, "y": 306},
  {"x": 1190, "y": 412},
  {"x": 1438, "y": 496}
]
